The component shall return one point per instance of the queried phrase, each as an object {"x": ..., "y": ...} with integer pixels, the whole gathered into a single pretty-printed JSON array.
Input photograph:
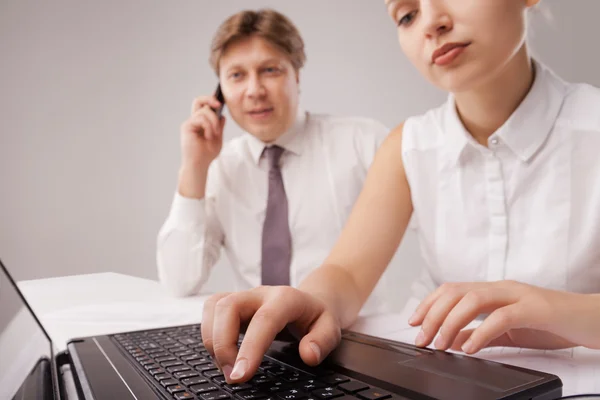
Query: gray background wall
[{"x": 93, "y": 93}]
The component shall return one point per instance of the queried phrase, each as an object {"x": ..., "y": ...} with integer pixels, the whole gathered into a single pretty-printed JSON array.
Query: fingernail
[
  {"x": 315, "y": 348},
  {"x": 239, "y": 369},
  {"x": 226, "y": 371},
  {"x": 439, "y": 342},
  {"x": 420, "y": 340},
  {"x": 467, "y": 347}
]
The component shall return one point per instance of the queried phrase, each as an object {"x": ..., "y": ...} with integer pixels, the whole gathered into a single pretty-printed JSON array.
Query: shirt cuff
[{"x": 187, "y": 211}]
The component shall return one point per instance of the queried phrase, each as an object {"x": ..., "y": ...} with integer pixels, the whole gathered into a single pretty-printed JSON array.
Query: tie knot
[{"x": 273, "y": 154}]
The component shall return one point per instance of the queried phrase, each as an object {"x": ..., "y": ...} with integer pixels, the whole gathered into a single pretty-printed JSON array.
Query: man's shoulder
[
  {"x": 234, "y": 153},
  {"x": 235, "y": 146},
  {"x": 348, "y": 125},
  {"x": 351, "y": 121}
]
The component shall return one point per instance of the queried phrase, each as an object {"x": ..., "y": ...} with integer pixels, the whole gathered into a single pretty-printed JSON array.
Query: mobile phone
[{"x": 219, "y": 96}]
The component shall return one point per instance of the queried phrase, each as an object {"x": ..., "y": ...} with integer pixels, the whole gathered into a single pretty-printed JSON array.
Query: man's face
[{"x": 261, "y": 87}]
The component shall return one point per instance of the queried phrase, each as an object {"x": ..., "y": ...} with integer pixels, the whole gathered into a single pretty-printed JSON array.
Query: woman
[{"x": 502, "y": 183}]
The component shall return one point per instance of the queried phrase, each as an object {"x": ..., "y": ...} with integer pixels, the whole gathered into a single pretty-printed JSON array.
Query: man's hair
[{"x": 268, "y": 24}]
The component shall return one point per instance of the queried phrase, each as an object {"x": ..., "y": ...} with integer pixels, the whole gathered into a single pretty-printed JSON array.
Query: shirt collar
[
  {"x": 455, "y": 134},
  {"x": 527, "y": 128},
  {"x": 292, "y": 140}
]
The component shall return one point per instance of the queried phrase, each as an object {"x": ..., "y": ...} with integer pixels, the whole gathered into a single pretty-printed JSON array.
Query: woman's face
[{"x": 460, "y": 44}]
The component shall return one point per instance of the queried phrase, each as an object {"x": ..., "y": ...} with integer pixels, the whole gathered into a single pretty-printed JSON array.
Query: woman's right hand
[{"x": 266, "y": 310}]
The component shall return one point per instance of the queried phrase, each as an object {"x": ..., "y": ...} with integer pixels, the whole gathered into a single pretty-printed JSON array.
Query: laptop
[{"x": 172, "y": 363}]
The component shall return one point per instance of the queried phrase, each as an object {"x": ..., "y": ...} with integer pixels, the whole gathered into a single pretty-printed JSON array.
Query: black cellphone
[{"x": 221, "y": 99}]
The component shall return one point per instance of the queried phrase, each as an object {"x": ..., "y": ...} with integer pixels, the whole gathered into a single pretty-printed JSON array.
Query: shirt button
[{"x": 494, "y": 141}]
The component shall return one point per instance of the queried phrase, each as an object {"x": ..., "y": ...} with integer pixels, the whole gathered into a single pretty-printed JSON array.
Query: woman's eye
[{"x": 407, "y": 19}]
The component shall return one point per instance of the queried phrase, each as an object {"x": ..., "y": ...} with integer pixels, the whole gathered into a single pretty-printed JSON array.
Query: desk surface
[{"x": 96, "y": 304}]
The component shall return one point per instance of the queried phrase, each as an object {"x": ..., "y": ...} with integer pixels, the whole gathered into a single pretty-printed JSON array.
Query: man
[{"x": 276, "y": 198}]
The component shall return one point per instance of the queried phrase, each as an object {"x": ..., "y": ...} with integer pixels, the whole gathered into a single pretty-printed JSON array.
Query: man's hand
[
  {"x": 201, "y": 143},
  {"x": 267, "y": 311},
  {"x": 520, "y": 315},
  {"x": 202, "y": 132}
]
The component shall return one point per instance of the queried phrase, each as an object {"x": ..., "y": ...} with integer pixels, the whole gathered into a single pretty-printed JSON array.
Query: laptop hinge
[{"x": 84, "y": 390}]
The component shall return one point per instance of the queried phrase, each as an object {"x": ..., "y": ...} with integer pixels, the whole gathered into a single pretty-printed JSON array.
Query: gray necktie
[{"x": 276, "y": 237}]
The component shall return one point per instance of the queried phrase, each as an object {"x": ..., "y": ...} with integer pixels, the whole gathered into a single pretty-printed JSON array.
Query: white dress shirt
[
  {"x": 526, "y": 208},
  {"x": 323, "y": 167}
]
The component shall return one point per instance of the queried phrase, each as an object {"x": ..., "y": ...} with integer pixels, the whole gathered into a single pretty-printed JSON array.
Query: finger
[
  {"x": 473, "y": 304},
  {"x": 449, "y": 287},
  {"x": 497, "y": 323},
  {"x": 213, "y": 119},
  {"x": 206, "y": 327},
  {"x": 503, "y": 340},
  {"x": 423, "y": 308},
  {"x": 230, "y": 312},
  {"x": 436, "y": 315},
  {"x": 202, "y": 101},
  {"x": 269, "y": 320},
  {"x": 460, "y": 339},
  {"x": 201, "y": 125},
  {"x": 280, "y": 307},
  {"x": 324, "y": 335}
]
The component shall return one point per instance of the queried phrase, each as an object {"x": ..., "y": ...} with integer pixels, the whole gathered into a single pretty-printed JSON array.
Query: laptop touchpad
[
  {"x": 427, "y": 371},
  {"x": 478, "y": 372}
]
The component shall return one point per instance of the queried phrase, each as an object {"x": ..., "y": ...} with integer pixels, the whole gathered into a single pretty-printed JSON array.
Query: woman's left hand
[{"x": 520, "y": 315}]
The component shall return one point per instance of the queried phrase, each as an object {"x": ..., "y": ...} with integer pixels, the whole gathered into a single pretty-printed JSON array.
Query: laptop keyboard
[{"x": 178, "y": 365}]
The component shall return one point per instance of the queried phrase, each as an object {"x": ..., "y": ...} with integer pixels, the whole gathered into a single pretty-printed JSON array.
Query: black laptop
[{"x": 172, "y": 363}]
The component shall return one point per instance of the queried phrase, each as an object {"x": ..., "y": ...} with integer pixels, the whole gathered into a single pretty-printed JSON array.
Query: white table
[{"x": 96, "y": 304}]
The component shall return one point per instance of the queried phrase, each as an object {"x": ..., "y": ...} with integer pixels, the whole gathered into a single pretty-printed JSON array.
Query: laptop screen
[{"x": 25, "y": 350}]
